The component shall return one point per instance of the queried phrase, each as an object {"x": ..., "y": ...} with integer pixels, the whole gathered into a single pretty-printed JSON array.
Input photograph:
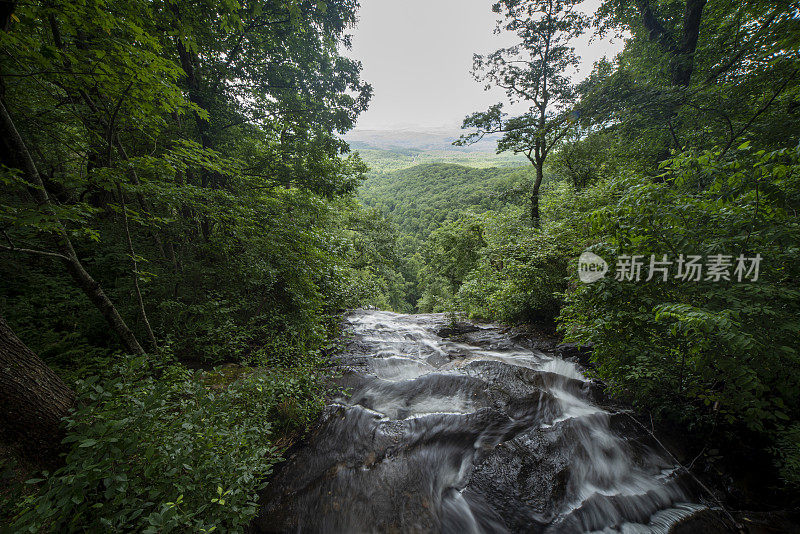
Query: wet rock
[
  {"x": 456, "y": 329},
  {"x": 705, "y": 521},
  {"x": 575, "y": 352}
]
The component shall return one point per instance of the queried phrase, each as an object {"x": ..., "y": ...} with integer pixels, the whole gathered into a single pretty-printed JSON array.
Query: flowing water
[{"x": 474, "y": 434}]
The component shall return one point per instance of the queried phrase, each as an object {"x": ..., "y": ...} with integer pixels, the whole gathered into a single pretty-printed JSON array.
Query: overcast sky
[{"x": 417, "y": 54}]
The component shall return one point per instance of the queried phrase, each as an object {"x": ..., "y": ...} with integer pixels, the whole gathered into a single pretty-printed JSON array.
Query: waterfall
[{"x": 474, "y": 434}]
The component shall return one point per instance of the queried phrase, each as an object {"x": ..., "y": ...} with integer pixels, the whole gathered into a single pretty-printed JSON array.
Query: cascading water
[{"x": 476, "y": 436}]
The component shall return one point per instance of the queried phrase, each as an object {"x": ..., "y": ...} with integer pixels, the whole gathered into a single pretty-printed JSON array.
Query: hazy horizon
[{"x": 420, "y": 67}]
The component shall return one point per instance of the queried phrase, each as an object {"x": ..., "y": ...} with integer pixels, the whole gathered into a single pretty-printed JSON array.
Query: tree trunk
[
  {"x": 33, "y": 400},
  {"x": 135, "y": 272},
  {"x": 692, "y": 18},
  {"x": 18, "y": 152},
  {"x": 535, "y": 194},
  {"x": 683, "y": 49}
]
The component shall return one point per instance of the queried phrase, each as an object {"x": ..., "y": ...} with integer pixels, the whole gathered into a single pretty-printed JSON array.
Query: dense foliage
[
  {"x": 427, "y": 202},
  {"x": 175, "y": 187},
  {"x": 714, "y": 352},
  {"x": 179, "y": 169},
  {"x": 182, "y": 453}
]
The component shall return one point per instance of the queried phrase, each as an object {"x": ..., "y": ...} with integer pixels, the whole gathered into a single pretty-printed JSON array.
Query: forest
[{"x": 183, "y": 226}]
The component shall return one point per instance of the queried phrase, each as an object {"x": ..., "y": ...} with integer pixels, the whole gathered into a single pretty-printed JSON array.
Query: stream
[{"x": 469, "y": 434}]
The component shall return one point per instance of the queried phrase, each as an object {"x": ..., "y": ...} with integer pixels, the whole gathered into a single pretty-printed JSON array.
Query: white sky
[{"x": 417, "y": 54}]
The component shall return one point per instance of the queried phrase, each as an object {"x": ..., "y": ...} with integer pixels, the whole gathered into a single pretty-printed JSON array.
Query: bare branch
[{"x": 34, "y": 251}]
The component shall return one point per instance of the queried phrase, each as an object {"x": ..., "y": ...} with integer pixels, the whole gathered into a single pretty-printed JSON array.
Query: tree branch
[{"x": 33, "y": 251}]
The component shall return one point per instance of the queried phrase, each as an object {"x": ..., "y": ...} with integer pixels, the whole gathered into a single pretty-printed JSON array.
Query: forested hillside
[
  {"x": 389, "y": 160},
  {"x": 420, "y": 198}
]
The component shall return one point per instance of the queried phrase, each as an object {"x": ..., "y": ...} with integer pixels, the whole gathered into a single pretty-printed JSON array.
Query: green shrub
[
  {"x": 519, "y": 276},
  {"x": 521, "y": 273},
  {"x": 788, "y": 452},
  {"x": 180, "y": 453},
  {"x": 717, "y": 355}
]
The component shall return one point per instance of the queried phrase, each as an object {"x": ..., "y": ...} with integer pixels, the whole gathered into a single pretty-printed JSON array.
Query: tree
[
  {"x": 533, "y": 71},
  {"x": 186, "y": 154},
  {"x": 105, "y": 172},
  {"x": 581, "y": 157},
  {"x": 33, "y": 400},
  {"x": 696, "y": 75},
  {"x": 16, "y": 155},
  {"x": 251, "y": 66}
]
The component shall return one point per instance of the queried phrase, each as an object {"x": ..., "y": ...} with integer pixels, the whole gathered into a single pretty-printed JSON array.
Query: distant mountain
[{"x": 422, "y": 139}]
